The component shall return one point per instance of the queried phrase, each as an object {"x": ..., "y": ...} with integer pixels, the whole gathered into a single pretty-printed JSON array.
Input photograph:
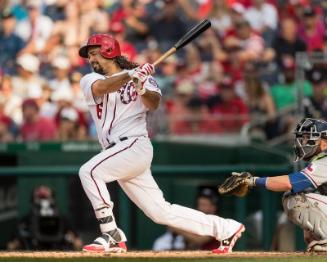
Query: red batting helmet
[{"x": 109, "y": 46}]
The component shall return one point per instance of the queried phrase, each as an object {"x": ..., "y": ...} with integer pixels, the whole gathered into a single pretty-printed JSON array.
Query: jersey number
[{"x": 99, "y": 110}]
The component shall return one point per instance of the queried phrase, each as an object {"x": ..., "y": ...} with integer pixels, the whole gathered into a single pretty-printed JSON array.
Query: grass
[{"x": 320, "y": 258}]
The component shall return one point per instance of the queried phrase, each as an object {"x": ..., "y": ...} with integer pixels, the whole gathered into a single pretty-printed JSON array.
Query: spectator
[
  {"x": 64, "y": 99},
  {"x": 209, "y": 86},
  {"x": 260, "y": 103},
  {"x": 7, "y": 126},
  {"x": 263, "y": 18},
  {"x": 228, "y": 108},
  {"x": 285, "y": 93},
  {"x": 312, "y": 29},
  {"x": 35, "y": 127},
  {"x": 12, "y": 106},
  {"x": 35, "y": 30},
  {"x": 173, "y": 239},
  {"x": 68, "y": 29},
  {"x": 220, "y": 17},
  {"x": 236, "y": 11},
  {"x": 210, "y": 48},
  {"x": 68, "y": 124},
  {"x": 195, "y": 70},
  {"x": 178, "y": 109},
  {"x": 137, "y": 25},
  {"x": 56, "y": 10},
  {"x": 44, "y": 227},
  {"x": 170, "y": 23},
  {"x": 61, "y": 68},
  {"x": 127, "y": 48},
  {"x": 10, "y": 43},
  {"x": 93, "y": 19},
  {"x": 315, "y": 106},
  {"x": 248, "y": 45},
  {"x": 47, "y": 107},
  {"x": 78, "y": 97},
  {"x": 28, "y": 83},
  {"x": 287, "y": 43},
  {"x": 166, "y": 76}
]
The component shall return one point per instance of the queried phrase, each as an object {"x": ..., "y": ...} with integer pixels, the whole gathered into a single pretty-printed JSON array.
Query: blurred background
[{"x": 230, "y": 102}]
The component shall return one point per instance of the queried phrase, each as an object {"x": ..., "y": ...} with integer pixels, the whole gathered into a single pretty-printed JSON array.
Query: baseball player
[
  {"x": 305, "y": 200},
  {"x": 118, "y": 107}
]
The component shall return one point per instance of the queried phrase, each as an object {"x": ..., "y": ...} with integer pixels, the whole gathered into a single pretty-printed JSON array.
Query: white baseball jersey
[
  {"x": 118, "y": 114},
  {"x": 122, "y": 114}
]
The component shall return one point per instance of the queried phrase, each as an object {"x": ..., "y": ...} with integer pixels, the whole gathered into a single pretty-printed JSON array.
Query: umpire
[{"x": 305, "y": 200}]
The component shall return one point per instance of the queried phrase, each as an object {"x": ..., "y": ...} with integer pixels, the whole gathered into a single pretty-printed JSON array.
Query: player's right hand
[{"x": 139, "y": 78}]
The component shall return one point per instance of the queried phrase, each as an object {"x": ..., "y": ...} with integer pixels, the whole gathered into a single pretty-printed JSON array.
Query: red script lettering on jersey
[{"x": 99, "y": 110}]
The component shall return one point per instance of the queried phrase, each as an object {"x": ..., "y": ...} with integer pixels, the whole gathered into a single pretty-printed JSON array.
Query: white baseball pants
[{"x": 129, "y": 163}]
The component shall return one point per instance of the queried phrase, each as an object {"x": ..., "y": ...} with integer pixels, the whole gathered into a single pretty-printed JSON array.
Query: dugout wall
[{"x": 179, "y": 169}]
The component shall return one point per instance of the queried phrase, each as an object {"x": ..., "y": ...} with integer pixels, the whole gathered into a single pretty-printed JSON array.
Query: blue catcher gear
[{"x": 308, "y": 134}]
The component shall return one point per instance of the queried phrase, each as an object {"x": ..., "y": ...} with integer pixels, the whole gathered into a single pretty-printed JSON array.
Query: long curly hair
[{"x": 124, "y": 63}]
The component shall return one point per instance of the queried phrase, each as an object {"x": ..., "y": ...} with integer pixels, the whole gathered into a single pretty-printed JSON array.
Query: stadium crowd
[{"x": 240, "y": 72}]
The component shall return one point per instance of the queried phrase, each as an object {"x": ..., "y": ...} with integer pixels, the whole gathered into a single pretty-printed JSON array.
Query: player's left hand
[
  {"x": 147, "y": 68},
  {"x": 139, "y": 78},
  {"x": 237, "y": 184}
]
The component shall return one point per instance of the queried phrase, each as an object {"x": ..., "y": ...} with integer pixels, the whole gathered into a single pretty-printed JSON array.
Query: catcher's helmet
[
  {"x": 109, "y": 46},
  {"x": 308, "y": 133}
]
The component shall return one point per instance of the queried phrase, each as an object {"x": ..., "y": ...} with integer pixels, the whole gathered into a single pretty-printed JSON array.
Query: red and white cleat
[
  {"x": 104, "y": 244},
  {"x": 118, "y": 248},
  {"x": 226, "y": 245}
]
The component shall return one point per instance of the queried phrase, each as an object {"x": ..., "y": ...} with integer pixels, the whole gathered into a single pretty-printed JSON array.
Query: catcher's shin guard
[{"x": 305, "y": 212}]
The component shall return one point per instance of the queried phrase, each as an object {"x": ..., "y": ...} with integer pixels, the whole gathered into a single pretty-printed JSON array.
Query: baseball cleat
[
  {"x": 226, "y": 245},
  {"x": 104, "y": 244}
]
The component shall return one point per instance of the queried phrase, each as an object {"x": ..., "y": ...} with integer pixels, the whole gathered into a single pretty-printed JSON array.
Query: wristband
[
  {"x": 131, "y": 72},
  {"x": 261, "y": 182}
]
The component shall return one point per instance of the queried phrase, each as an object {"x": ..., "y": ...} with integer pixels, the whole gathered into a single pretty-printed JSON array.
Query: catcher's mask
[
  {"x": 308, "y": 134},
  {"x": 109, "y": 46}
]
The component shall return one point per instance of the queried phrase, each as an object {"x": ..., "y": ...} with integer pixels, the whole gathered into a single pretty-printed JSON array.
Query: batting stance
[
  {"x": 118, "y": 108},
  {"x": 305, "y": 200}
]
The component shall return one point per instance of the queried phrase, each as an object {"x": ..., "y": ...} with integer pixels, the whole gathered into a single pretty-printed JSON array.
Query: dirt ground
[{"x": 150, "y": 254}]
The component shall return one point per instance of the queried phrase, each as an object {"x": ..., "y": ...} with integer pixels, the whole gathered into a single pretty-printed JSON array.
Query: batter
[{"x": 118, "y": 108}]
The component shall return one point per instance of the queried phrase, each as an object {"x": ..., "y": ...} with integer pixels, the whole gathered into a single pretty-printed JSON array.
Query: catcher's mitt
[{"x": 237, "y": 184}]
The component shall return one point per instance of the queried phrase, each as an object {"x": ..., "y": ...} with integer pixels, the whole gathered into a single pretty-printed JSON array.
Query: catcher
[{"x": 305, "y": 200}]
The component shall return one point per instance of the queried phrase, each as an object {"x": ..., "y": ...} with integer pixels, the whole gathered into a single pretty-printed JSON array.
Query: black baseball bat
[
  {"x": 185, "y": 39},
  {"x": 194, "y": 32}
]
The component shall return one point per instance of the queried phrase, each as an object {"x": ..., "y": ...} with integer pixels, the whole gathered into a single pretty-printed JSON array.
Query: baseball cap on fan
[
  {"x": 61, "y": 62},
  {"x": 62, "y": 94},
  {"x": 33, "y": 4},
  {"x": 6, "y": 14},
  {"x": 69, "y": 113},
  {"x": 238, "y": 8},
  {"x": 29, "y": 62},
  {"x": 208, "y": 192}
]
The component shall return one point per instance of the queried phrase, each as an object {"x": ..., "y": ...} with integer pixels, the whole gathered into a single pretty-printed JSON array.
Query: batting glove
[
  {"x": 139, "y": 78},
  {"x": 147, "y": 68}
]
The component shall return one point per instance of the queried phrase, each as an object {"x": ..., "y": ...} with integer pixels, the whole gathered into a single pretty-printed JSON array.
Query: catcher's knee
[{"x": 306, "y": 214}]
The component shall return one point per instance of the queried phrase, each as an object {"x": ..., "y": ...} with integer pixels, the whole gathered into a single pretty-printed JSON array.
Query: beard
[{"x": 98, "y": 69}]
